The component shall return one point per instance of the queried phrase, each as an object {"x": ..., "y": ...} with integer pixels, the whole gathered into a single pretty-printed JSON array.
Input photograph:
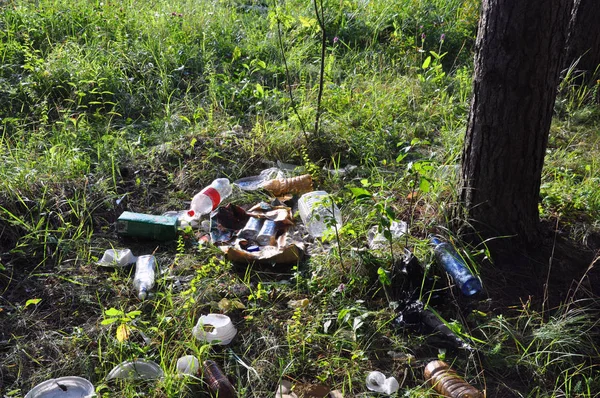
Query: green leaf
[
  {"x": 113, "y": 312},
  {"x": 237, "y": 52},
  {"x": 426, "y": 63},
  {"x": 360, "y": 193},
  {"x": 383, "y": 277},
  {"x": 424, "y": 185},
  {"x": 108, "y": 321},
  {"x": 32, "y": 302},
  {"x": 260, "y": 90},
  {"x": 133, "y": 314}
]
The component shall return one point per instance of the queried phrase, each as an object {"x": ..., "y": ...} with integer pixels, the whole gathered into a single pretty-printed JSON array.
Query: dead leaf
[{"x": 123, "y": 332}]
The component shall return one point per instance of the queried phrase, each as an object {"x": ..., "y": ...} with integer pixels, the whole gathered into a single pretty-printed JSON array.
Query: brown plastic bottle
[
  {"x": 446, "y": 382},
  {"x": 218, "y": 384},
  {"x": 294, "y": 185}
]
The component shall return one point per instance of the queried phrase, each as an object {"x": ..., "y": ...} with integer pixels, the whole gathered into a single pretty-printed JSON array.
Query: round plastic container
[
  {"x": 215, "y": 327},
  {"x": 63, "y": 387},
  {"x": 188, "y": 365},
  {"x": 136, "y": 370}
]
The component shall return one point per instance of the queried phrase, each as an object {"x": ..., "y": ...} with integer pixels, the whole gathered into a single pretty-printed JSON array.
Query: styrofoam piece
[
  {"x": 215, "y": 327},
  {"x": 117, "y": 258},
  {"x": 63, "y": 387},
  {"x": 376, "y": 381},
  {"x": 188, "y": 365},
  {"x": 136, "y": 370}
]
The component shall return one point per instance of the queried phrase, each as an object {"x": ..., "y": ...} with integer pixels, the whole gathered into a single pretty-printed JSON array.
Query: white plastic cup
[
  {"x": 215, "y": 327},
  {"x": 316, "y": 211},
  {"x": 188, "y": 365}
]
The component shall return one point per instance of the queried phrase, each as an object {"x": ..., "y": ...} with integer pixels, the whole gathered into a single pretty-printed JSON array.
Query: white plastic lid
[
  {"x": 63, "y": 387},
  {"x": 136, "y": 370}
]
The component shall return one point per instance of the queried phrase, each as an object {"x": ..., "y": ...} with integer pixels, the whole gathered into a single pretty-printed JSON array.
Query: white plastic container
[
  {"x": 209, "y": 198},
  {"x": 63, "y": 387},
  {"x": 117, "y": 258},
  {"x": 188, "y": 365},
  {"x": 318, "y": 214},
  {"x": 145, "y": 270},
  {"x": 136, "y": 370},
  {"x": 215, "y": 327}
]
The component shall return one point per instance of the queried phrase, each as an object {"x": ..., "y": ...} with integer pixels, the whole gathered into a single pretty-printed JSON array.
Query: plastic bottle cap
[
  {"x": 142, "y": 294},
  {"x": 191, "y": 213}
]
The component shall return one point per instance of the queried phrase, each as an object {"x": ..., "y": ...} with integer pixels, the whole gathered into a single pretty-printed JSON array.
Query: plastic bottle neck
[{"x": 435, "y": 240}]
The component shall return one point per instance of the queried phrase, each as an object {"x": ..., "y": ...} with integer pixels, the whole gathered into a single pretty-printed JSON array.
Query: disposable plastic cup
[
  {"x": 188, "y": 365},
  {"x": 215, "y": 327}
]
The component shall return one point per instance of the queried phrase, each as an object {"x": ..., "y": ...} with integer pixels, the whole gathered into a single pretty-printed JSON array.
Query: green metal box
[{"x": 147, "y": 226}]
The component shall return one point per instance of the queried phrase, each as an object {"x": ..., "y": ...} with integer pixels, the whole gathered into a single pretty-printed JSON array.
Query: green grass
[{"x": 140, "y": 102}]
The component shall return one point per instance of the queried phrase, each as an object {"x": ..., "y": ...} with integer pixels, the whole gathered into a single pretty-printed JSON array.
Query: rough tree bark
[
  {"x": 583, "y": 40},
  {"x": 518, "y": 57}
]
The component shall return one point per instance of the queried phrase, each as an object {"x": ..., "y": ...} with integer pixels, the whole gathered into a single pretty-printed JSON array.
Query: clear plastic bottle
[
  {"x": 209, "y": 198},
  {"x": 318, "y": 213},
  {"x": 143, "y": 280},
  {"x": 453, "y": 263}
]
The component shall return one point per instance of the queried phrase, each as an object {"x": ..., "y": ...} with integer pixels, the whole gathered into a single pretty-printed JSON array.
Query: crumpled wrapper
[{"x": 286, "y": 249}]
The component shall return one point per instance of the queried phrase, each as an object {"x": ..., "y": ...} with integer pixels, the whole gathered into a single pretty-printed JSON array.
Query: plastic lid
[
  {"x": 136, "y": 370},
  {"x": 63, "y": 387}
]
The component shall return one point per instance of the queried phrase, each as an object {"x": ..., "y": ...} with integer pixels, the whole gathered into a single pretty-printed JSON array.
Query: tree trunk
[
  {"x": 518, "y": 57},
  {"x": 583, "y": 40}
]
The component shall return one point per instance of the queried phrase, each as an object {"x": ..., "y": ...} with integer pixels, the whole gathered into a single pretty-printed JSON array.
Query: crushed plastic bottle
[
  {"x": 209, "y": 198},
  {"x": 143, "y": 280},
  {"x": 253, "y": 183},
  {"x": 454, "y": 265},
  {"x": 377, "y": 240},
  {"x": 449, "y": 384},
  {"x": 292, "y": 185},
  {"x": 318, "y": 213}
]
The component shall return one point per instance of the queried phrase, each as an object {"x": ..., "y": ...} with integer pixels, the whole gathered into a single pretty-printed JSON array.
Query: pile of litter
[{"x": 267, "y": 233}]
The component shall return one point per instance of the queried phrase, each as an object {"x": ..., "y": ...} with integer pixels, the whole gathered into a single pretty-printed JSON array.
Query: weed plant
[{"x": 108, "y": 106}]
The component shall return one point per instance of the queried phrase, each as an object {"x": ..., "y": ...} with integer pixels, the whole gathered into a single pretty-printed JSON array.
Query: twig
[
  {"x": 287, "y": 75},
  {"x": 321, "y": 19}
]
